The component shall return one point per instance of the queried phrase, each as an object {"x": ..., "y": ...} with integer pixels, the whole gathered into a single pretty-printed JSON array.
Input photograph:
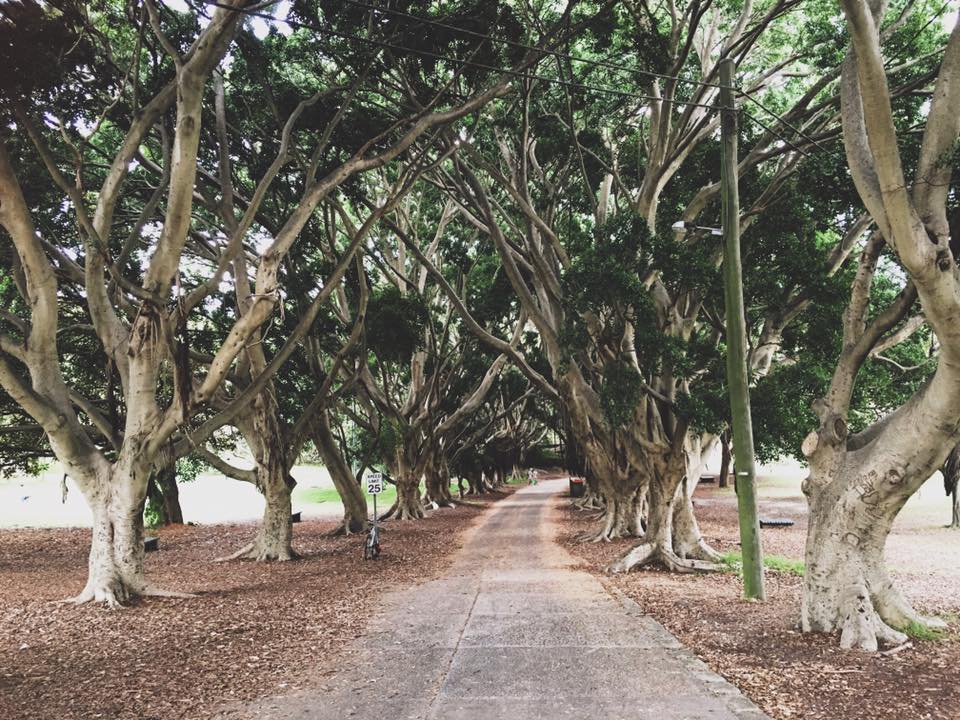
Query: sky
[{"x": 260, "y": 26}]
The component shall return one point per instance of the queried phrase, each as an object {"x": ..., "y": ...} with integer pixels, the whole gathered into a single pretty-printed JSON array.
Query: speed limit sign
[{"x": 374, "y": 483}]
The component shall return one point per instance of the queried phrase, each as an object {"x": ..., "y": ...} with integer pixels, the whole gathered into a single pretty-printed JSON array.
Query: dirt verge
[
  {"x": 253, "y": 629},
  {"x": 757, "y": 647}
]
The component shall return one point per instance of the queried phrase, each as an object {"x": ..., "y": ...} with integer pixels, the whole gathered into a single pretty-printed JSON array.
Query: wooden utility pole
[{"x": 737, "y": 377}]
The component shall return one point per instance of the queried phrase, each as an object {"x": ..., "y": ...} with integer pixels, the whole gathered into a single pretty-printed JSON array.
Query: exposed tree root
[
  {"x": 590, "y": 501},
  {"x": 343, "y": 530},
  {"x": 406, "y": 511},
  {"x": 593, "y": 537},
  {"x": 245, "y": 550},
  {"x": 866, "y": 618},
  {"x": 647, "y": 553},
  {"x": 437, "y": 504},
  {"x": 700, "y": 550},
  {"x": 151, "y": 591},
  {"x": 894, "y": 608},
  {"x": 112, "y": 599},
  {"x": 118, "y": 596},
  {"x": 251, "y": 551},
  {"x": 861, "y": 626}
]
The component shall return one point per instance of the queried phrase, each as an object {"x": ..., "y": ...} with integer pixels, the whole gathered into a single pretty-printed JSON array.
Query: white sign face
[{"x": 374, "y": 483}]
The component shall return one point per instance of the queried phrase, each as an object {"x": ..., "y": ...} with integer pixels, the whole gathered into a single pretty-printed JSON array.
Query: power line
[
  {"x": 523, "y": 46},
  {"x": 783, "y": 121},
  {"x": 526, "y": 75},
  {"x": 776, "y": 134},
  {"x": 438, "y": 56}
]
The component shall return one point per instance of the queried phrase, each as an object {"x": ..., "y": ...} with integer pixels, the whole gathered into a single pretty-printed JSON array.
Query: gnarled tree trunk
[
  {"x": 846, "y": 585},
  {"x": 409, "y": 505},
  {"x": 659, "y": 542},
  {"x": 438, "y": 482},
  {"x": 688, "y": 542},
  {"x": 858, "y": 484},
  {"x": 164, "y": 495},
  {"x": 273, "y": 540},
  {"x": 351, "y": 494},
  {"x": 263, "y": 434},
  {"x": 115, "y": 566}
]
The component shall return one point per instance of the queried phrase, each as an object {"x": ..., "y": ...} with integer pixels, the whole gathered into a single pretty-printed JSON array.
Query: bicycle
[{"x": 371, "y": 547}]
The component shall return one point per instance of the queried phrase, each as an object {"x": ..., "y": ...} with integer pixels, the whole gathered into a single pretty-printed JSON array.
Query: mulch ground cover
[
  {"x": 253, "y": 629},
  {"x": 757, "y": 646}
]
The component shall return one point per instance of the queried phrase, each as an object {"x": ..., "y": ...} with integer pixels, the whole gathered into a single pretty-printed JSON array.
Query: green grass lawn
[
  {"x": 779, "y": 563},
  {"x": 330, "y": 499}
]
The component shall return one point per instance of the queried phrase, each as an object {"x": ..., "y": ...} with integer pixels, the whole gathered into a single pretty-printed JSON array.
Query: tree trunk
[
  {"x": 723, "y": 480},
  {"x": 273, "y": 540},
  {"x": 846, "y": 586},
  {"x": 660, "y": 538},
  {"x": 166, "y": 482},
  {"x": 438, "y": 490},
  {"x": 351, "y": 494},
  {"x": 622, "y": 516},
  {"x": 115, "y": 565},
  {"x": 438, "y": 482},
  {"x": 853, "y": 504},
  {"x": 263, "y": 434},
  {"x": 614, "y": 477},
  {"x": 409, "y": 505},
  {"x": 475, "y": 482},
  {"x": 687, "y": 540}
]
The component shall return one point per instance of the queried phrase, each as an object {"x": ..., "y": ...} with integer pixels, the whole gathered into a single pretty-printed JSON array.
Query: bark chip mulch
[
  {"x": 757, "y": 647},
  {"x": 253, "y": 629}
]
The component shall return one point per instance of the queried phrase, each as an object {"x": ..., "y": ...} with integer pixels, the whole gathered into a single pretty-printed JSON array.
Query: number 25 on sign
[{"x": 374, "y": 483}]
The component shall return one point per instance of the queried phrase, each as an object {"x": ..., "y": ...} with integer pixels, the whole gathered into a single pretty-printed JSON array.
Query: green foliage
[
  {"x": 706, "y": 408},
  {"x": 489, "y": 295},
  {"x": 43, "y": 49},
  {"x": 620, "y": 392},
  {"x": 151, "y": 515},
  {"x": 189, "y": 468},
  {"x": 396, "y": 324}
]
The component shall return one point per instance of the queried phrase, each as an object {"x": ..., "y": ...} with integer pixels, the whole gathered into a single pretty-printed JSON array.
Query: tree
[
  {"x": 126, "y": 271},
  {"x": 951, "y": 474},
  {"x": 858, "y": 483},
  {"x": 114, "y": 484}
]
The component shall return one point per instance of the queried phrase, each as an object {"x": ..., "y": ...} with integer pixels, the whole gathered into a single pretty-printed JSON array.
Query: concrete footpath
[{"x": 514, "y": 630}]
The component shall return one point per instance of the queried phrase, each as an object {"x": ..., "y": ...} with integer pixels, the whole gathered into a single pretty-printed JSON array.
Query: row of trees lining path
[{"x": 423, "y": 253}]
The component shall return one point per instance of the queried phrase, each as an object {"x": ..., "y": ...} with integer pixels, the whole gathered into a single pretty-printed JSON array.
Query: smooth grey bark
[
  {"x": 349, "y": 490},
  {"x": 857, "y": 485}
]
